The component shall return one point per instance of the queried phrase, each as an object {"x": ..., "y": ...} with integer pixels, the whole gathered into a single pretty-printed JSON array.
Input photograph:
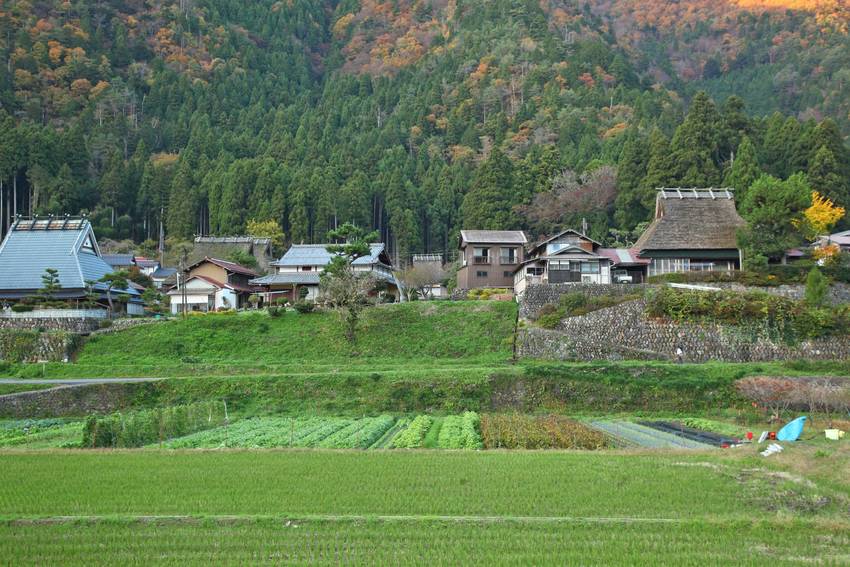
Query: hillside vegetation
[{"x": 414, "y": 117}]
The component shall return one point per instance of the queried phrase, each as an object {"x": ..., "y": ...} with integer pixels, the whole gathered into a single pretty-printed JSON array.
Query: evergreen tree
[
  {"x": 658, "y": 169},
  {"x": 773, "y": 209},
  {"x": 631, "y": 169},
  {"x": 180, "y": 218},
  {"x": 744, "y": 170},
  {"x": 488, "y": 205},
  {"x": 825, "y": 177},
  {"x": 695, "y": 145}
]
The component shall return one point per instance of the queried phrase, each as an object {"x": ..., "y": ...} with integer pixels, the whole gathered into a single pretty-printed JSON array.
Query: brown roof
[
  {"x": 493, "y": 236},
  {"x": 692, "y": 219},
  {"x": 229, "y": 266}
]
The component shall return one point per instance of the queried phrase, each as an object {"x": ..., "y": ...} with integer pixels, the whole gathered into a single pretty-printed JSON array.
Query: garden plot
[
  {"x": 271, "y": 432},
  {"x": 634, "y": 435}
]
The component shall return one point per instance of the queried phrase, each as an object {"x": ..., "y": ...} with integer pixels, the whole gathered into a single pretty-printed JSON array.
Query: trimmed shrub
[{"x": 304, "y": 307}]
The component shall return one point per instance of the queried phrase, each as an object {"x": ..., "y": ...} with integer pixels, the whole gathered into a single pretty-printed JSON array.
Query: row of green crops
[
  {"x": 414, "y": 435},
  {"x": 385, "y": 431},
  {"x": 139, "y": 428},
  {"x": 270, "y": 432},
  {"x": 460, "y": 432},
  {"x": 40, "y": 433}
]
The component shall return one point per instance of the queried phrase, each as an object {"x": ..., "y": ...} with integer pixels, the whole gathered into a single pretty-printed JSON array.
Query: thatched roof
[{"x": 692, "y": 219}]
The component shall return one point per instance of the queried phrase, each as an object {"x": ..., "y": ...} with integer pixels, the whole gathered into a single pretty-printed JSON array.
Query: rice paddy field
[{"x": 416, "y": 507}]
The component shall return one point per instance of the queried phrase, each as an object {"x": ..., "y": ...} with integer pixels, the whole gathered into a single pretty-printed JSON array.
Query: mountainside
[{"x": 412, "y": 116}]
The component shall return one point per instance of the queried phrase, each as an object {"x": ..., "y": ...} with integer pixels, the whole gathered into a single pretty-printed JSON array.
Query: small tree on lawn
[
  {"x": 343, "y": 289},
  {"x": 50, "y": 286},
  {"x": 116, "y": 280},
  {"x": 418, "y": 279}
]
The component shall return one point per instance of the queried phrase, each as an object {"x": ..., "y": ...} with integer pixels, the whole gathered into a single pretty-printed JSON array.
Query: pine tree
[{"x": 773, "y": 209}]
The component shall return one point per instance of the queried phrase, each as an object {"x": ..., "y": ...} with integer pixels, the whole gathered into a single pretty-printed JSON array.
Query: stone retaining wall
[
  {"x": 72, "y": 325},
  {"x": 536, "y": 296},
  {"x": 127, "y": 323},
  {"x": 623, "y": 332},
  {"x": 72, "y": 400},
  {"x": 31, "y": 346}
]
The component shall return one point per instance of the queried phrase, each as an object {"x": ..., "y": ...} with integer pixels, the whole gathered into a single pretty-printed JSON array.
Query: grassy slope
[
  {"x": 474, "y": 331},
  {"x": 412, "y": 506}
]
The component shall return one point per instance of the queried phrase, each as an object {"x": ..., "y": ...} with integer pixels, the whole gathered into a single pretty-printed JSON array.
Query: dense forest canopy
[{"x": 412, "y": 117}]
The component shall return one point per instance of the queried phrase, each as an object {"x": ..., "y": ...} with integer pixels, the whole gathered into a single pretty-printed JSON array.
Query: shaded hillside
[{"x": 414, "y": 117}]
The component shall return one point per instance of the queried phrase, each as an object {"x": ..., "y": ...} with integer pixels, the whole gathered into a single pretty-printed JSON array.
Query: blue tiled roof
[
  {"x": 27, "y": 252},
  {"x": 118, "y": 260}
]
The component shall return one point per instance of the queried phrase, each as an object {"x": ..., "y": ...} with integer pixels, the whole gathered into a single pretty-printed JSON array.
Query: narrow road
[{"x": 76, "y": 381}]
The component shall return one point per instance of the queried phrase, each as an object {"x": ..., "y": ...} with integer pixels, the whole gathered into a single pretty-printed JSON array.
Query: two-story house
[
  {"x": 211, "y": 284},
  {"x": 296, "y": 273},
  {"x": 488, "y": 258},
  {"x": 567, "y": 257}
]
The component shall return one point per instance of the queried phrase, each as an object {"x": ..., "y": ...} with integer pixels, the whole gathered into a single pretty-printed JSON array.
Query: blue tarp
[{"x": 792, "y": 430}]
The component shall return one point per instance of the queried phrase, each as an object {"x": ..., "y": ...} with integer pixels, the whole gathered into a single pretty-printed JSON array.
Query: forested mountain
[{"x": 415, "y": 117}]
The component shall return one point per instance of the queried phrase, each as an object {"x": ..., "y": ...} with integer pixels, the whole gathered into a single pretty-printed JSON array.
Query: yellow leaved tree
[
  {"x": 819, "y": 218},
  {"x": 266, "y": 229}
]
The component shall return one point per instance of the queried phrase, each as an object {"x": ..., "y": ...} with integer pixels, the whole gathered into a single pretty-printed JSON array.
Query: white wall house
[{"x": 201, "y": 294}]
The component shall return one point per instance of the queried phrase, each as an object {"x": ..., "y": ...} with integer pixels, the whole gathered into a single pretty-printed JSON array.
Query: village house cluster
[{"x": 692, "y": 230}]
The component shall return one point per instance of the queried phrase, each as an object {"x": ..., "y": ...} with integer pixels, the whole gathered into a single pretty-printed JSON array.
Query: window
[
  {"x": 480, "y": 255},
  {"x": 590, "y": 267},
  {"x": 508, "y": 274},
  {"x": 559, "y": 265},
  {"x": 306, "y": 268},
  {"x": 508, "y": 256},
  {"x": 534, "y": 271},
  {"x": 660, "y": 266},
  {"x": 481, "y": 274}
]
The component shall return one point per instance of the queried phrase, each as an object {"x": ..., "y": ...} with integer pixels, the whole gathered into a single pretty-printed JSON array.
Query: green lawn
[{"x": 414, "y": 507}]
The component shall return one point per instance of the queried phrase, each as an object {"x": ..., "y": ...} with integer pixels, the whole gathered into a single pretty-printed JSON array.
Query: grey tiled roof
[
  {"x": 284, "y": 278},
  {"x": 118, "y": 260},
  {"x": 163, "y": 272},
  {"x": 493, "y": 236},
  {"x": 25, "y": 254},
  {"x": 318, "y": 255}
]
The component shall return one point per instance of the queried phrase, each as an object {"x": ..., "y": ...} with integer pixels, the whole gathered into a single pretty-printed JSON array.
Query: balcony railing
[
  {"x": 508, "y": 261},
  {"x": 481, "y": 260}
]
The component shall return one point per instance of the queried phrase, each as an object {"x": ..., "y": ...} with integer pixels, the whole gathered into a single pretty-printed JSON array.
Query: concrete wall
[{"x": 623, "y": 332}]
